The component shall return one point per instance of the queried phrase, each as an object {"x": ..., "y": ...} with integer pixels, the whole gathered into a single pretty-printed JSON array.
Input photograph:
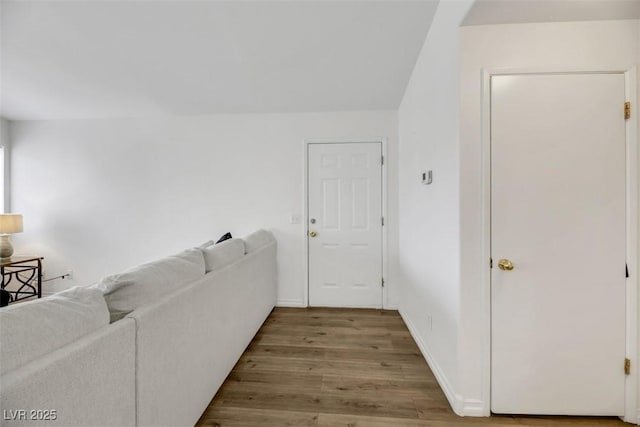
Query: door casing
[
  {"x": 305, "y": 219},
  {"x": 632, "y": 243}
]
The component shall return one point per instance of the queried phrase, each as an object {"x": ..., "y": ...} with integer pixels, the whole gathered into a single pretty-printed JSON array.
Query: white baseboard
[
  {"x": 291, "y": 303},
  {"x": 460, "y": 405},
  {"x": 454, "y": 399},
  {"x": 473, "y": 408},
  {"x": 297, "y": 303}
]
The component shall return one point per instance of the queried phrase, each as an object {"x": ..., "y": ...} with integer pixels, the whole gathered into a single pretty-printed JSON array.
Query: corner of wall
[{"x": 428, "y": 128}]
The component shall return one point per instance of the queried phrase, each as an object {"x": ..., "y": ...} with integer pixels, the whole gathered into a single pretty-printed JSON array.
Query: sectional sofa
[{"x": 146, "y": 347}]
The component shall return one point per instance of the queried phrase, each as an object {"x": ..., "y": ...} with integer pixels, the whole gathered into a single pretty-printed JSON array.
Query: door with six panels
[{"x": 345, "y": 224}]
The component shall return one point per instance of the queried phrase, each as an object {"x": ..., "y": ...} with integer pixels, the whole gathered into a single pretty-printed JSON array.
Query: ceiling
[
  {"x": 485, "y": 12},
  {"x": 88, "y": 59}
]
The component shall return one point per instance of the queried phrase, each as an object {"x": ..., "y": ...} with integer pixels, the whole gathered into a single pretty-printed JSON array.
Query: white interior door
[
  {"x": 345, "y": 229},
  {"x": 558, "y": 214}
]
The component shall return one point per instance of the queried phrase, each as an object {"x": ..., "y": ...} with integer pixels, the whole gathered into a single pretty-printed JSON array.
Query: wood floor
[{"x": 349, "y": 368}]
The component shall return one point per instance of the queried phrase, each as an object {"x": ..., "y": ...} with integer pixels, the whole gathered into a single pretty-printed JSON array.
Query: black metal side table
[{"x": 21, "y": 277}]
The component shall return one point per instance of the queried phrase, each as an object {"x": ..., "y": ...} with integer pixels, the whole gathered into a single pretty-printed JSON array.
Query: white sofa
[
  {"x": 159, "y": 364},
  {"x": 62, "y": 363}
]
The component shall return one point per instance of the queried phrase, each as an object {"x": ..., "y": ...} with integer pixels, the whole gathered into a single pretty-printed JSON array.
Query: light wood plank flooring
[{"x": 343, "y": 368}]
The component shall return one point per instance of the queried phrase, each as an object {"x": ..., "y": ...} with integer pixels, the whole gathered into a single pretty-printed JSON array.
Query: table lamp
[{"x": 9, "y": 224}]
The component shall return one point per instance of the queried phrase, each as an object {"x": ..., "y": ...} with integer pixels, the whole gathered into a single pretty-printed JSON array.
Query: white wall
[
  {"x": 429, "y": 229},
  {"x": 587, "y": 45},
  {"x": 101, "y": 195},
  {"x": 440, "y": 236},
  {"x": 5, "y": 142}
]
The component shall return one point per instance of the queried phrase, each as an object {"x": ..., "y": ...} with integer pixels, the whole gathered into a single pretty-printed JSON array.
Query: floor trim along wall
[
  {"x": 462, "y": 407},
  {"x": 473, "y": 408},
  {"x": 291, "y": 303}
]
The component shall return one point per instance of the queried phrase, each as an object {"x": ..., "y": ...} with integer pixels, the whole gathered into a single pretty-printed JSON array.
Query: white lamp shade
[{"x": 10, "y": 223}]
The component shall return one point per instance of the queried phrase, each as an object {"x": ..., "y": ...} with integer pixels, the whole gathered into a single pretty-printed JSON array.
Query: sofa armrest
[{"x": 89, "y": 382}]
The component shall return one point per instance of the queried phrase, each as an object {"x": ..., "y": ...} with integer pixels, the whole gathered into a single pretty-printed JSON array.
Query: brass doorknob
[
  {"x": 313, "y": 234},
  {"x": 505, "y": 264}
]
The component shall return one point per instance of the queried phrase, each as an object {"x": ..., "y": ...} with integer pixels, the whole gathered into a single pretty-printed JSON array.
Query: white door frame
[
  {"x": 631, "y": 413},
  {"x": 305, "y": 209}
]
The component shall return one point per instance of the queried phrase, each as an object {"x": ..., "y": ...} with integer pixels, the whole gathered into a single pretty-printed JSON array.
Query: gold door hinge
[
  {"x": 627, "y": 110},
  {"x": 627, "y": 366}
]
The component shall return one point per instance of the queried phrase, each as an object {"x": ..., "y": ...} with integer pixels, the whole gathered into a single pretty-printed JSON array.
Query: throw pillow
[
  {"x": 223, "y": 254},
  {"x": 224, "y": 237},
  {"x": 257, "y": 240},
  {"x": 5, "y": 298},
  {"x": 206, "y": 244},
  {"x": 145, "y": 283},
  {"x": 34, "y": 328}
]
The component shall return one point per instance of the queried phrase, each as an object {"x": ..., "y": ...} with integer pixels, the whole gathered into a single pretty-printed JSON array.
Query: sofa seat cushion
[
  {"x": 223, "y": 254},
  {"x": 32, "y": 329},
  {"x": 145, "y": 283},
  {"x": 258, "y": 239}
]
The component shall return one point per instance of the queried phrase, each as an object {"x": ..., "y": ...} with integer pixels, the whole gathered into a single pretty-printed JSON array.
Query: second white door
[
  {"x": 345, "y": 224},
  {"x": 558, "y": 244}
]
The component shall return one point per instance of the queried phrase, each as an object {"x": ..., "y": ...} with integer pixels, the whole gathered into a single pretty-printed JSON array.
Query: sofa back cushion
[
  {"x": 206, "y": 244},
  {"x": 223, "y": 254},
  {"x": 145, "y": 283},
  {"x": 257, "y": 240},
  {"x": 32, "y": 329}
]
